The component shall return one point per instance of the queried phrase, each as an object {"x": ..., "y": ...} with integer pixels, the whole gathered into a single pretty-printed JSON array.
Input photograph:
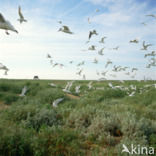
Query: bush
[
  {"x": 57, "y": 142},
  {"x": 15, "y": 142},
  {"x": 43, "y": 117}
]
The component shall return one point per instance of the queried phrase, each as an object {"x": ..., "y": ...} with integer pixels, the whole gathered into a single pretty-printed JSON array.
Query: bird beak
[{"x": 16, "y": 31}]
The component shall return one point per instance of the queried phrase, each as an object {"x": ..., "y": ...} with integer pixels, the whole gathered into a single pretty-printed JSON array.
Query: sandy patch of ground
[{"x": 73, "y": 96}]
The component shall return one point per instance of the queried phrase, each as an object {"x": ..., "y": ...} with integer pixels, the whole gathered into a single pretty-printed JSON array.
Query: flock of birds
[
  {"x": 130, "y": 90},
  {"x": 129, "y": 71}
]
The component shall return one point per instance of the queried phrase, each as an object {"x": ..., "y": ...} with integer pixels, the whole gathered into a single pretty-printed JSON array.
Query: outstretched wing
[
  {"x": 20, "y": 13},
  {"x": 2, "y": 19},
  {"x": 66, "y": 28}
]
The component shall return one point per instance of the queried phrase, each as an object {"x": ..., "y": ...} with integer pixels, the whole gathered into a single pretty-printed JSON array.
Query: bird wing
[
  {"x": 66, "y": 28},
  {"x": 20, "y": 13},
  {"x": 2, "y": 19},
  {"x": 90, "y": 35}
]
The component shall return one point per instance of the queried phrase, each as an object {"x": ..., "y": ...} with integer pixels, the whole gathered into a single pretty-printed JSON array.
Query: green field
[{"x": 94, "y": 122}]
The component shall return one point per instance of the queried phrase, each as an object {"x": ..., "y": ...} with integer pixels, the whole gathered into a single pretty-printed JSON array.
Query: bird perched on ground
[
  {"x": 24, "y": 90},
  {"x": 21, "y": 19},
  {"x": 91, "y": 33},
  {"x": 92, "y": 47},
  {"x": 65, "y": 29},
  {"x": 145, "y": 46},
  {"x": 57, "y": 101},
  {"x": 102, "y": 40},
  {"x": 134, "y": 41},
  {"x": 6, "y": 25}
]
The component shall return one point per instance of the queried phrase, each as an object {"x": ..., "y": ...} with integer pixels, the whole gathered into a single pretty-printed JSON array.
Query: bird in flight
[
  {"x": 21, "y": 19},
  {"x": 92, "y": 47},
  {"x": 92, "y": 33},
  {"x": 145, "y": 46},
  {"x": 152, "y": 15},
  {"x": 3, "y": 67},
  {"x": 116, "y": 48},
  {"x": 6, "y": 25},
  {"x": 100, "y": 52},
  {"x": 65, "y": 29},
  {"x": 102, "y": 39},
  {"x": 57, "y": 101},
  {"x": 134, "y": 41}
]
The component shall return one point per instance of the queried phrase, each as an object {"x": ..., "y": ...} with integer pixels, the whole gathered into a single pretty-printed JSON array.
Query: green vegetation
[{"x": 93, "y": 122}]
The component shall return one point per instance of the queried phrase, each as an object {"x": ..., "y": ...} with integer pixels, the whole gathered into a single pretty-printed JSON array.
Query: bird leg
[{"x": 7, "y": 32}]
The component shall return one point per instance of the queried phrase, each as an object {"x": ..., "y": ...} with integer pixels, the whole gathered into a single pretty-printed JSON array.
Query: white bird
[
  {"x": 143, "y": 23},
  {"x": 134, "y": 41},
  {"x": 3, "y": 67},
  {"x": 52, "y": 84},
  {"x": 60, "y": 22},
  {"x": 84, "y": 77},
  {"x": 92, "y": 33},
  {"x": 110, "y": 85},
  {"x": 95, "y": 61},
  {"x": 100, "y": 52},
  {"x": 145, "y": 46},
  {"x": 79, "y": 72},
  {"x": 21, "y": 19},
  {"x": 104, "y": 73},
  {"x": 6, "y": 25},
  {"x": 68, "y": 86},
  {"x": 90, "y": 85},
  {"x": 108, "y": 62},
  {"x": 57, "y": 101},
  {"x": 134, "y": 69},
  {"x": 102, "y": 40},
  {"x": 92, "y": 47},
  {"x": 97, "y": 10},
  {"x": 77, "y": 89},
  {"x": 48, "y": 56},
  {"x": 88, "y": 20},
  {"x": 65, "y": 29},
  {"x": 116, "y": 48},
  {"x": 132, "y": 94},
  {"x": 152, "y": 15},
  {"x": 24, "y": 90},
  {"x": 97, "y": 73}
]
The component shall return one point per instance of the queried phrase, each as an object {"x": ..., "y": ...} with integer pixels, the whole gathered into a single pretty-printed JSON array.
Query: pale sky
[{"x": 120, "y": 20}]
